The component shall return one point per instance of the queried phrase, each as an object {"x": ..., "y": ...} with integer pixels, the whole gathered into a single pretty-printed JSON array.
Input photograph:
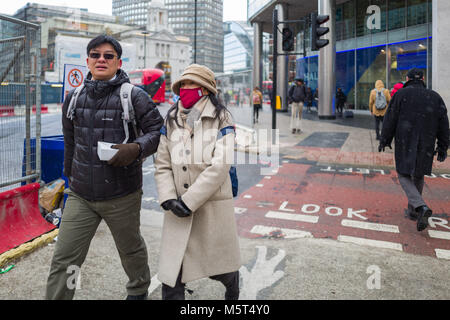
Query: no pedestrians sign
[{"x": 74, "y": 76}]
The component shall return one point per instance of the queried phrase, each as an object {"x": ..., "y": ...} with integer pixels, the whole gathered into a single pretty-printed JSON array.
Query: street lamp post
[
  {"x": 145, "y": 33},
  {"x": 195, "y": 32},
  {"x": 59, "y": 63}
]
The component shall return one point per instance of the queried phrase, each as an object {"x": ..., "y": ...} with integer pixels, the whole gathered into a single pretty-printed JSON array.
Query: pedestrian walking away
[
  {"x": 297, "y": 97},
  {"x": 417, "y": 118},
  {"x": 378, "y": 103},
  {"x": 199, "y": 235},
  {"x": 109, "y": 190},
  {"x": 257, "y": 99}
]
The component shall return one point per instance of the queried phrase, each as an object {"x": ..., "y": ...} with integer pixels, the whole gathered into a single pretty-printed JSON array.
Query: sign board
[{"x": 74, "y": 76}]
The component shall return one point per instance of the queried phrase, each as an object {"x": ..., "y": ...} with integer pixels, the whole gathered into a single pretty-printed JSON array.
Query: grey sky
[{"x": 233, "y": 9}]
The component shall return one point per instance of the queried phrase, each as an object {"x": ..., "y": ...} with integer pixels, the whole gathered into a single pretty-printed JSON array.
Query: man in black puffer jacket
[{"x": 109, "y": 190}]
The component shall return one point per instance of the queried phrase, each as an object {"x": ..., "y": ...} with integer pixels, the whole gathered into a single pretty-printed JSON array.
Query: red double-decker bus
[{"x": 151, "y": 81}]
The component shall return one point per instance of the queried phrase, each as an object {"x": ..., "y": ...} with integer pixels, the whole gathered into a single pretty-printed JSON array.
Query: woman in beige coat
[
  {"x": 196, "y": 150},
  {"x": 381, "y": 97}
]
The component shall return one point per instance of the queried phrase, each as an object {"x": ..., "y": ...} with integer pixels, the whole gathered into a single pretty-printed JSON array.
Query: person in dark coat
[
  {"x": 341, "y": 98},
  {"x": 316, "y": 98},
  {"x": 297, "y": 97},
  {"x": 416, "y": 117},
  {"x": 104, "y": 190}
]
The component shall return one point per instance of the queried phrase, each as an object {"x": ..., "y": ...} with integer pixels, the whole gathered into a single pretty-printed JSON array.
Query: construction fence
[{"x": 20, "y": 103}]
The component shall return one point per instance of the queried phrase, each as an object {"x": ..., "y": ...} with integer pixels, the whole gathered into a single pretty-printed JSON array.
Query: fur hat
[{"x": 199, "y": 74}]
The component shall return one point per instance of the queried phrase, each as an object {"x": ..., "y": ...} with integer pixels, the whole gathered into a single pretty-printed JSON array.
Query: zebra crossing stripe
[
  {"x": 292, "y": 216},
  {"x": 439, "y": 234},
  {"x": 370, "y": 226},
  {"x": 442, "y": 254},
  {"x": 371, "y": 243}
]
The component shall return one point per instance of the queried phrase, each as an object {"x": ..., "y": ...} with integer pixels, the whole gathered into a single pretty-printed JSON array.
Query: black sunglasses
[{"x": 96, "y": 55}]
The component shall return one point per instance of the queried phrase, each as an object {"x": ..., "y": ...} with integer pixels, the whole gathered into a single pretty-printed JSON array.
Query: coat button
[
  {"x": 186, "y": 186},
  {"x": 188, "y": 152},
  {"x": 184, "y": 169}
]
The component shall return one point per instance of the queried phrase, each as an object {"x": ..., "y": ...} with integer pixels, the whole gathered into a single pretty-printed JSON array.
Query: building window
[
  {"x": 345, "y": 22},
  {"x": 397, "y": 12},
  {"x": 417, "y": 12},
  {"x": 404, "y": 56}
]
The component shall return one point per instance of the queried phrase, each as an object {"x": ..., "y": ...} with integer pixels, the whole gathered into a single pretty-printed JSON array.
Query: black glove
[
  {"x": 441, "y": 156},
  {"x": 382, "y": 147},
  {"x": 177, "y": 207},
  {"x": 126, "y": 155}
]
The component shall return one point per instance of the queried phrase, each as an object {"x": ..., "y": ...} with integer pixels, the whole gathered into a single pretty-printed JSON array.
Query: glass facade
[
  {"x": 375, "y": 40},
  {"x": 238, "y": 46}
]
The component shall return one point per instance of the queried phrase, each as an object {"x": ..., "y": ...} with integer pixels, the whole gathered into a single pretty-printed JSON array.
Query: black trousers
[
  {"x": 256, "y": 108},
  {"x": 229, "y": 280},
  {"x": 378, "y": 120}
]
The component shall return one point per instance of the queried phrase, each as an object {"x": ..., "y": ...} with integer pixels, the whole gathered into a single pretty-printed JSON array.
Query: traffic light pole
[
  {"x": 327, "y": 63},
  {"x": 275, "y": 56},
  {"x": 274, "y": 71}
]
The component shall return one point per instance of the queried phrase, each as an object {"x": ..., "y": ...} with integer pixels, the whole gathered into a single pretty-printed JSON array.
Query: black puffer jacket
[
  {"x": 297, "y": 93},
  {"x": 417, "y": 118},
  {"x": 98, "y": 117}
]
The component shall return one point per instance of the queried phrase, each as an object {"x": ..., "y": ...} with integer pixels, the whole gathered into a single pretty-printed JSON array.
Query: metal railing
[{"x": 20, "y": 102}]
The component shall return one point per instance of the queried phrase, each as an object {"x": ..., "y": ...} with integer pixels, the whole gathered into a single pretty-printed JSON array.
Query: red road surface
[{"x": 343, "y": 201}]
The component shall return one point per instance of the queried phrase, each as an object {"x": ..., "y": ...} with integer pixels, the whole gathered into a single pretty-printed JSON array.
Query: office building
[
  {"x": 206, "y": 34},
  {"x": 132, "y": 12},
  {"x": 370, "y": 40}
]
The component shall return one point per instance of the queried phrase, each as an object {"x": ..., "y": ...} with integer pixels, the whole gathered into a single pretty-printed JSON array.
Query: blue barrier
[{"x": 52, "y": 158}]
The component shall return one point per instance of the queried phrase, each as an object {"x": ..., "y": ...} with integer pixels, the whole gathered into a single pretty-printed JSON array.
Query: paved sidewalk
[{"x": 345, "y": 141}]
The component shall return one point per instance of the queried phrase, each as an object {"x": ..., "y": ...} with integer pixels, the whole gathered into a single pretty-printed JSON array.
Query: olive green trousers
[{"x": 79, "y": 224}]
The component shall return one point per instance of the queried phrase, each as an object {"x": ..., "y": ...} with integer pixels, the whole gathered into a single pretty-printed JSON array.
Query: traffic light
[
  {"x": 317, "y": 31},
  {"x": 288, "y": 39}
]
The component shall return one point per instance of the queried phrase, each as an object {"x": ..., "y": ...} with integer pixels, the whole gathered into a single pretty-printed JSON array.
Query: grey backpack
[
  {"x": 128, "y": 114},
  {"x": 380, "y": 100}
]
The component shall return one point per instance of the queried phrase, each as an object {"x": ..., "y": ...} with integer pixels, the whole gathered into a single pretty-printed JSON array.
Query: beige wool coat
[{"x": 197, "y": 169}]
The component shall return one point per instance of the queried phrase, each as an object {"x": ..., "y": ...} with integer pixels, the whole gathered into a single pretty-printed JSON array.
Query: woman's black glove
[{"x": 177, "y": 207}]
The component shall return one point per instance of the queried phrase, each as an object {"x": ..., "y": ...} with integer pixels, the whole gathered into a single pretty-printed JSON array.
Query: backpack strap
[
  {"x": 128, "y": 114},
  {"x": 233, "y": 173},
  {"x": 163, "y": 130},
  {"x": 224, "y": 131},
  {"x": 73, "y": 102}
]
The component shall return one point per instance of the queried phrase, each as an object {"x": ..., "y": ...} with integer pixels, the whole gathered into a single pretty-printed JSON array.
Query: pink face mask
[{"x": 189, "y": 97}]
